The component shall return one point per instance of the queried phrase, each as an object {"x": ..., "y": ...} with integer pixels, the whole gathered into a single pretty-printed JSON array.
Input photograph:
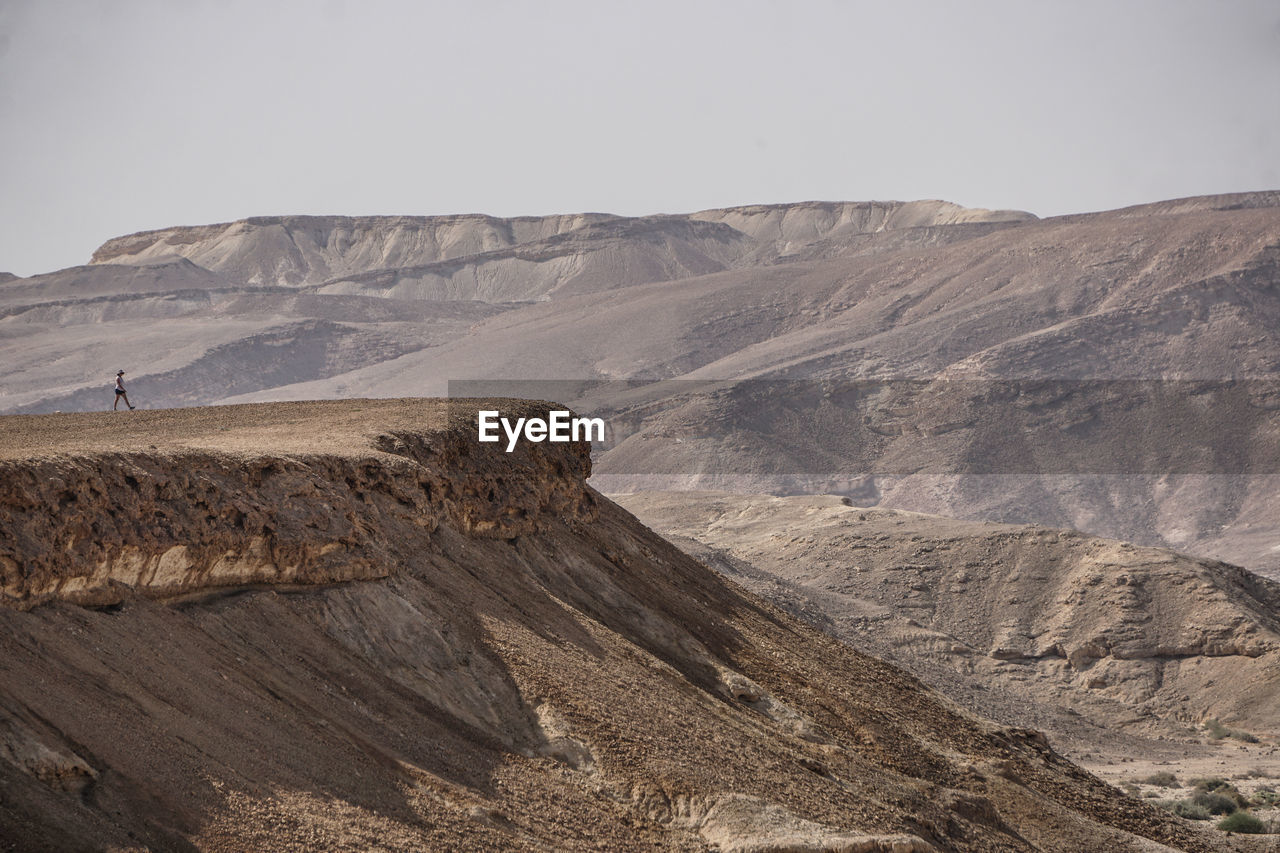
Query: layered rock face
[
  {"x": 350, "y": 626},
  {"x": 165, "y": 522}
]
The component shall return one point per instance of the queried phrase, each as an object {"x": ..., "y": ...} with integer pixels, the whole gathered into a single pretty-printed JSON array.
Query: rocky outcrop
[
  {"x": 349, "y": 625},
  {"x": 179, "y": 521}
]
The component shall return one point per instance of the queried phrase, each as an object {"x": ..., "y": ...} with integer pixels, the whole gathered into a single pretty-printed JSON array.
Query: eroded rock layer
[{"x": 85, "y": 526}]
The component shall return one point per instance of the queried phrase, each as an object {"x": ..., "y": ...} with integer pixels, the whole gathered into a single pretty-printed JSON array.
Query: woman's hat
[{"x": 119, "y": 373}]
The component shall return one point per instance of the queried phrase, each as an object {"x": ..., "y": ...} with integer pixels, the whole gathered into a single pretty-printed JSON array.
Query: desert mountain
[
  {"x": 1098, "y": 642},
  {"x": 347, "y": 625},
  {"x": 779, "y": 308},
  {"x": 315, "y": 250}
]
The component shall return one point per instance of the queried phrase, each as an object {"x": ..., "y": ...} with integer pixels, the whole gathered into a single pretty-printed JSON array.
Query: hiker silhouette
[{"x": 120, "y": 392}]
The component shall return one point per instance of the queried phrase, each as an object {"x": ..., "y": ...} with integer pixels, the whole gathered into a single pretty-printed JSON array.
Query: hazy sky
[{"x": 123, "y": 115}]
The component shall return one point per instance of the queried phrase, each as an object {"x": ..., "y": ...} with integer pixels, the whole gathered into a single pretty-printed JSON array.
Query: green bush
[
  {"x": 1214, "y": 802},
  {"x": 1212, "y": 783},
  {"x": 1189, "y": 810},
  {"x": 1163, "y": 779},
  {"x": 1242, "y": 822}
]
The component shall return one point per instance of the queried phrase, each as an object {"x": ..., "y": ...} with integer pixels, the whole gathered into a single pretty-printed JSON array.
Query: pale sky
[{"x": 123, "y": 115}]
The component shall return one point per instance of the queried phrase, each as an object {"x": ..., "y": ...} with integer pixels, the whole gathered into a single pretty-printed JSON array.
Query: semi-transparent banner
[{"x": 902, "y": 427}]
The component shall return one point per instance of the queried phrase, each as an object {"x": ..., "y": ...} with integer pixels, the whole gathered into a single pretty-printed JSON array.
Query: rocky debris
[
  {"x": 736, "y": 823},
  {"x": 56, "y": 766}
]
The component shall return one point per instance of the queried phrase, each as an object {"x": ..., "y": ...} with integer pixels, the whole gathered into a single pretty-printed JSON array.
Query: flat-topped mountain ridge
[
  {"x": 348, "y": 624},
  {"x": 315, "y": 249}
]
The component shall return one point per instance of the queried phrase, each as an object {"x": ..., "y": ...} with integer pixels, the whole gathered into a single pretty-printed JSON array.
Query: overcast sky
[{"x": 122, "y": 115}]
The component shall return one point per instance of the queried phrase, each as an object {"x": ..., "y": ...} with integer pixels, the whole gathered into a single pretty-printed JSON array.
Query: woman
[{"x": 120, "y": 392}]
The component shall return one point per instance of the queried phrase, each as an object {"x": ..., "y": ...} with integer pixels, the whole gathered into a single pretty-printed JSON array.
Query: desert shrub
[
  {"x": 1163, "y": 779},
  {"x": 1216, "y": 730},
  {"x": 1211, "y": 783},
  {"x": 1214, "y": 802},
  {"x": 1189, "y": 810},
  {"x": 1150, "y": 795},
  {"x": 1130, "y": 789},
  {"x": 1234, "y": 793},
  {"x": 1264, "y": 797},
  {"x": 1242, "y": 822}
]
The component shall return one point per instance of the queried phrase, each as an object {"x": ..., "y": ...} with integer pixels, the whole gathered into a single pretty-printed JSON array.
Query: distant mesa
[{"x": 299, "y": 250}]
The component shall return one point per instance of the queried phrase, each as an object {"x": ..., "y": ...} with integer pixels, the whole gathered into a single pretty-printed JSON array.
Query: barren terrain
[
  {"x": 797, "y": 298},
  {"x": 348, "y": 626},
  {"x": 1121, "y": 654}
]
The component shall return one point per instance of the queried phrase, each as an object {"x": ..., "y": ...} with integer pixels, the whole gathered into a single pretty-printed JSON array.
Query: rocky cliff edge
[{"x": 173, "y": 502}]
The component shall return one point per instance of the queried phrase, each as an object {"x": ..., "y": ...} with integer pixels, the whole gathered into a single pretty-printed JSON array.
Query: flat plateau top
[{"x": 340, "y": 427}]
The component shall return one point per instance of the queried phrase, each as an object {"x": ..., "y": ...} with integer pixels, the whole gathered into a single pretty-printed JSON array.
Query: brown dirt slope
[{"x": 350, "y": 627}]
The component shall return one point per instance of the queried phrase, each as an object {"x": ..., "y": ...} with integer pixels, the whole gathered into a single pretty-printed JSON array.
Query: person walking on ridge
[{"x": 120, "y": 392}]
